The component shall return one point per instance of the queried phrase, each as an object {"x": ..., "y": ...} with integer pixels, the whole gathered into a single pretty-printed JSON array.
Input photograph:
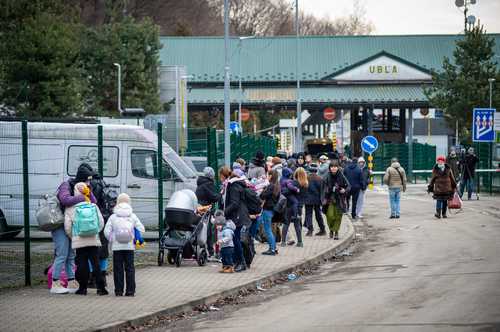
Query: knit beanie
[
  {"x": 81, "y": 189},
  {"x": 123, "y": 198}
]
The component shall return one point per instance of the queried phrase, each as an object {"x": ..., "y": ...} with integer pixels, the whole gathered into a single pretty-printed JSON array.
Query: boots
[
  {"x": 104, "y": 274},
  {"x": 444, "y": 212},
  {"x": 438, "y": 213}
]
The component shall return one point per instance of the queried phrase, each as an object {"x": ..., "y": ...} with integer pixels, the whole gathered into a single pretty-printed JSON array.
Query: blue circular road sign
[{"x": 369, "y": 144}]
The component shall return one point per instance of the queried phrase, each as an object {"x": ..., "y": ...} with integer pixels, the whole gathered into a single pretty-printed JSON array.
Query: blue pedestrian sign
[
  {"x": 369, "y": 144},
  {"x": 483, "y": 125},
  {"x": 234, "y": 127}
]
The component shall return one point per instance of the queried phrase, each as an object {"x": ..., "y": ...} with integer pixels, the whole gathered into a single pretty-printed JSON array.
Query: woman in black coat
[
  {"x": 235, "y": 209},
  {"x": 312, "y": 202}
]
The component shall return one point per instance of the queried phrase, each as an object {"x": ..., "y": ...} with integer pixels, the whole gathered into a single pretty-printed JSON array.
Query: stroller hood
[{"x": 184, "y": 199}]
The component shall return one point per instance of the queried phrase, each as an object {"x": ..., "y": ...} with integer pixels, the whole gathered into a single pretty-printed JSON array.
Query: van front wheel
[{"x": 6, "y": 232}]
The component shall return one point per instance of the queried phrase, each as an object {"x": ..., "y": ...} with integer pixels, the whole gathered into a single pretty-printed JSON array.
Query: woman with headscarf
[
  {"x": 334, "y": 198},
  {"x": 443, "y": 186}
]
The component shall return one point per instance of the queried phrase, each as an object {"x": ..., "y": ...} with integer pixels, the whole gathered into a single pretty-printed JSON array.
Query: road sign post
[{"x": 369, "y": 144}]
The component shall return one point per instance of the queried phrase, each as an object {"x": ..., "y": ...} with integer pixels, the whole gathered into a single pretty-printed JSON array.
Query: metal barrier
[{"x": 485, "y": 178}]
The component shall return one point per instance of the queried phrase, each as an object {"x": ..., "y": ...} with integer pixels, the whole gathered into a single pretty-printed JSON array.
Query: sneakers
[
  {"x": 321, "y": 233},
  {"x": 290, "y": 243},
  {"x": 300, "y": 244},
  {"x": 269, "y": 253},
  {"x": 331, "y": 234},
  {"x": 336, "y": 237},
  {"x": 73, "y": 286},
  {"x": 240, "y": 268},
  {"x": 57, "y": 288},
  {"x": 228, "y": 269},
  {"x": 283, "y": 244},
  {"x": 102, "y": 292},
  {"x": 309, "y": 232}
]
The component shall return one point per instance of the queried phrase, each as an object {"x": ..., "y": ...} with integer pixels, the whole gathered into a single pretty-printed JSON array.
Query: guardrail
[{"x": 479, "y": 172}]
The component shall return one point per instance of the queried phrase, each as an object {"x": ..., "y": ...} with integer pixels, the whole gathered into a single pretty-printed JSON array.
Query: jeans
[
  {"x": 309, "y": 217},
  {"x": 441, "y": 206},
  {"x": 123, "y": 260},
  {"x": 238, "y": 247},
  {"x": 227, "y": 254},
  {"x": 83, "y": 255},
  {"x": 65, "y": 256},
  {"x": 469, "y": 184},
  {"x": 360, "y": 203},
  {"x": 354, "y": 194},
  {"x": 266, "y": 219},
  {"x": 292, "y": 217},
  {"x": 395, "y": 197}
]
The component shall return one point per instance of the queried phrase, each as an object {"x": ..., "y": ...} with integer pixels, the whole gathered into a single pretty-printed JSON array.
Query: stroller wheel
[
  {"x": 178, "y": 258},
  {"x": 202, "y": 258},
  {"x": 161, "y": 254},
  {"x": 171, "y": 257}
]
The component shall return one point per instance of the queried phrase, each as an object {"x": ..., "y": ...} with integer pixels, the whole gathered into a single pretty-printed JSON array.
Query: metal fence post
[
  {"x": 26, "y": 207},
  {"x": 100, "y": 167},
  {"x": 159, "y": 165}
]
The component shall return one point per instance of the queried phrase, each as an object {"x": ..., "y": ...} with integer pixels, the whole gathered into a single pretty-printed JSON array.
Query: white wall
[{"x": 440, "y": 141}]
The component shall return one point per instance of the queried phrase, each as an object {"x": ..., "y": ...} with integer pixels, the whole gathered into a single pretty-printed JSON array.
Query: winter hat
[
  {"x": 313, "y": 168},
  {"x": 323, "y": 158},
  {"x": 441, "y": 158},
  {"x": 287, "y": 173},
  {"x": 276, "y": 161},
  {"x": 236, "y": 166},
  {"x": 219, "y": 217},
  {"x": 361, "y": 160},
  {"x": 84, "y": 172},
  {"x": 81, "y": 189},
  {"x": 259, "y": 155},
  {"x": 209, "y": 172},
  {"x": 123, "y": 198},
  {"x": 238, "y": 172}
]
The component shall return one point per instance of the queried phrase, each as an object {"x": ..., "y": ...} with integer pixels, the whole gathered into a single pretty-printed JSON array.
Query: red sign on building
[{"x": 329, "y": 114}]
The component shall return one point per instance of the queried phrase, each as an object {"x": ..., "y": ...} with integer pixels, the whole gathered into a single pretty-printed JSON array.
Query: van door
[{"x": 142, "y": 183}]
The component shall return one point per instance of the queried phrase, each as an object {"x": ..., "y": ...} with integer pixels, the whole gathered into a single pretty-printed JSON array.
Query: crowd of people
[{"x": 289, "y": 192}]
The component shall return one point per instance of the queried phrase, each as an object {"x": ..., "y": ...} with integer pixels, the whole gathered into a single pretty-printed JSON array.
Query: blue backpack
[{"x": 86, "y": 220}]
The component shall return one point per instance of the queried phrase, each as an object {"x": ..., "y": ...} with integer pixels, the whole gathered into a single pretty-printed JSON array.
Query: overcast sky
[{"x": 409, "y": 16}]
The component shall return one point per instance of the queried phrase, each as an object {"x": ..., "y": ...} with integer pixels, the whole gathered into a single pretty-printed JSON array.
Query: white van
[{"x": 56, "y": 150}]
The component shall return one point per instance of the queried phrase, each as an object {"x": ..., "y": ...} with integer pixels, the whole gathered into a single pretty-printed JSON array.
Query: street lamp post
[
  {"x": 298, "y": 141},
  {"x": 491, "y": 81},
  {"x": 119, "y": 86},
  {"x": 227, "y": 110},
  {"x": 240, "y": 92}
]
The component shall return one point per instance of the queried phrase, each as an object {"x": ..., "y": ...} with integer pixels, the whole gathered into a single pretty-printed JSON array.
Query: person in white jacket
[{"x": 120, "y": 231}]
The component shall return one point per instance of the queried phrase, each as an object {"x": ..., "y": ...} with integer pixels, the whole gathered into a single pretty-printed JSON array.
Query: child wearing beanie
[{"x": 120, "y": 231}]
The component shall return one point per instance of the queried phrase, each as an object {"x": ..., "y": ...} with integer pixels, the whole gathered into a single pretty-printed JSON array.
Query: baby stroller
[{"x": 186, "y": 232}]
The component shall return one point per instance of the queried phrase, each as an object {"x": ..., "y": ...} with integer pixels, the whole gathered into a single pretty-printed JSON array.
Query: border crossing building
[{"x": 374, "y": 84}]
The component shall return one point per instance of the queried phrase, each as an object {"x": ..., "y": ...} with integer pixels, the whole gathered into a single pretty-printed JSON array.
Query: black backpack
[{"x": 253, "y": 202}]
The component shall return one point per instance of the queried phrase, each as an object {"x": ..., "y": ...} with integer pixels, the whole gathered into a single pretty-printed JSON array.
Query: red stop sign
[
  {"x": 329, "y": 113},
  {"x": 245, "y": 114}
]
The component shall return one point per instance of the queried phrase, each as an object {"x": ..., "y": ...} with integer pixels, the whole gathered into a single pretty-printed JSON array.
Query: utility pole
[
  {"x": 119, "y": 86},
  {"x": 227, "y": 110},
  {"x": 298, "y": 142}
]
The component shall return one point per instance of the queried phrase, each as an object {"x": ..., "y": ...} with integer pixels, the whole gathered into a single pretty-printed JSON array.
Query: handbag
[
  {"x": 455, "y": 202},
  {"x": 49, "y": 214}
]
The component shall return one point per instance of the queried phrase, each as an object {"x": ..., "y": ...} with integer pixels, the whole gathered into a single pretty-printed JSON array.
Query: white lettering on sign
[{"x": 384, "y": 68}]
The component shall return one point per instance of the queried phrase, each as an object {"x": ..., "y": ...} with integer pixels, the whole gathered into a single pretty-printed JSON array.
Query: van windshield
[{"x": 177, "y": 163}]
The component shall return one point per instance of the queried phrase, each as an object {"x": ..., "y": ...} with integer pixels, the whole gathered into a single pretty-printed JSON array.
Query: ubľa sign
[{"x": 383, "y": 68}]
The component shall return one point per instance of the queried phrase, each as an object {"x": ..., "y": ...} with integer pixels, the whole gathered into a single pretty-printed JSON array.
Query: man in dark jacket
[
  {"x": 312, "y": 201},
  {"x": 454, "y": 163},
  {"x": 468, "y": 172},
  {"x": 207, "y": 194},
  {"x": 355, "y": 177}
]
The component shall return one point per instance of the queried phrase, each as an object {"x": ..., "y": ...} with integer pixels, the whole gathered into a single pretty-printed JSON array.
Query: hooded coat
[
  {"x": 65, "y": 193},
  {"x": 313, "y": 194},
  {"x": 469, "y": 166},
  {"x": 442, "y": 183},
  {"x": 123, "y": 216},
  {"x": 330, "y": 191},
  {"x": 454, "y": 163},
  {"x": 206, "y": 191},
  {"x": 395, "y": 176},
  {"x": 228, "y": 234},
  {"x": 355, "y": 176},
  {"x": 235, "y": 207}
]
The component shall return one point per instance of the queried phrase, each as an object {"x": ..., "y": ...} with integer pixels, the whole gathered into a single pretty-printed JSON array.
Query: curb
[{"x": 319, "y": 258}]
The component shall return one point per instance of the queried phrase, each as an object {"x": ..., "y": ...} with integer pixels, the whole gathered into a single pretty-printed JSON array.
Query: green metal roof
[
  {"x": 338, "y": 94},
  {"x": 272, "y": 59}
]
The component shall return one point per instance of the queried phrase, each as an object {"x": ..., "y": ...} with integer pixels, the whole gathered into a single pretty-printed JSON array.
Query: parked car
[{"x": 56, "y": 150}]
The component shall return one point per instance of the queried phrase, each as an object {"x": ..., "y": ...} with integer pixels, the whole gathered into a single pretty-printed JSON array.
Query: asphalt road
[{"x": 413, "y": 274}]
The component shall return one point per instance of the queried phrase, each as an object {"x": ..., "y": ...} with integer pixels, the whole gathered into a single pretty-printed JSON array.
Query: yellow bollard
[{"x": 370, "y": 168}]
